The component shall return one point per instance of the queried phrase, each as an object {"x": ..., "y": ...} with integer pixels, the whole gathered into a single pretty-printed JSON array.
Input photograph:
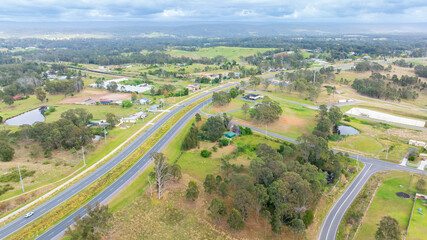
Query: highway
[
  {"x": 55, "y": 201},
  {"x": 329, "y": 226}
]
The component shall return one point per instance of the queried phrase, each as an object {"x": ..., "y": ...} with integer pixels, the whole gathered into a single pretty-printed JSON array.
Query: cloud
[
  {"x": 172, "y": 13},
  {"x": 208, "y": 10}
]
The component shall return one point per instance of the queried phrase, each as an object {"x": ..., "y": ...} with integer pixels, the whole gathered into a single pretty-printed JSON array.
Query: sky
[{"x": 278, "y": 11}]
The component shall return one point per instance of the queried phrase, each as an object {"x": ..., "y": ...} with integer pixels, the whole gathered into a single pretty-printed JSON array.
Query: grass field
[
  {"x": 387, "y": 203},
  {"x": 294, "y": 121},
  {"x": 374, "y": 138},
  {"x": 235, "y": 103},
  {"x": 231, "y": 53}
]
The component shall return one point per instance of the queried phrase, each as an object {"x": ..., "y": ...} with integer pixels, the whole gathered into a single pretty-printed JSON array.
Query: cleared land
[
  {"x": 231, "y": 53},
  {"x": 387, "y": 203}
]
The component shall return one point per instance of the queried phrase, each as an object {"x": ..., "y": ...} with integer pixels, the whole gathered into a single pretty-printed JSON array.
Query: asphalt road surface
[{"x": 55, "y": 201}]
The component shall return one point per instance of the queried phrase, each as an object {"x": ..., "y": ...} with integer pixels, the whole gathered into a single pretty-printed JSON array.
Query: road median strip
[{"x": 43, "y": 223}]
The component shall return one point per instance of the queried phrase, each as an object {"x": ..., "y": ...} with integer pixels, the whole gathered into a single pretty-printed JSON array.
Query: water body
[
  {"x": 30, "y": 117},
  {"x": 347, "y": 130}
]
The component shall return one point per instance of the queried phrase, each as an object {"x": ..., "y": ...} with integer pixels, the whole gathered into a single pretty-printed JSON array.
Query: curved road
[
  {"x": 332, "y": 221},
  {"x": 55, "y": 201}
]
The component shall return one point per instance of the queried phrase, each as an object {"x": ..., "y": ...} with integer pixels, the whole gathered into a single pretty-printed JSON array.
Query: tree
[
  {"x": 223, "y": 189},
  {"x": 192, "y": 139},
  {"x": 92, "y": 225},
  {"x": 221, "y": 98},
  {"x": 192, "y": 192},
  {"x": 267, "y": 217},
  {"x": 335, "y": 115},
  {"x": 205, "y": 153},
  {"x": 388, "y": 229},
  {"x": 79, "y": 116},
  {"x": 214, "y": 128},
  {"x": 209, "y": 184},
  {"x": 111, "y": 119},
  {"x": 112, "y": 87},
  {"x": 217, "y": 209},
  {"x": 233, "y": 92},
  {"x": 127, "y": 104},
  {"x": 6, "y": 151},
  {"x": 40, "y": 94},
  {"x": 243, "y": 201},
  {"x": 161, "y": 169},
  {"x": 267, "y": 112},
  {"x": 235, "y": 220},
  {"x": 1, "y": 119},
  {"x": 198, "y": 117},
  {"x": 261, "y": 197},
  {"x": 8, "y": 99},
  {"x": 175, "y": 171},
  {"x": 298, "y": 226},
  {"x": 245, "y": 108},
  {"x": 134, "y": 97},
  {"x": 421, "y": 185}
]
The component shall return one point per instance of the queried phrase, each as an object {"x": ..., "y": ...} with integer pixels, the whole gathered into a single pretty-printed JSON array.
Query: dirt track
[{"x": 95, "y": 95}]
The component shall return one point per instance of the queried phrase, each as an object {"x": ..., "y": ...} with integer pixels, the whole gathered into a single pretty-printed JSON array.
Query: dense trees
[
  {"x": 368, "y": 66},
  {"x": 421, "y": 70},
  {"x": 6, "y": 151},
  {"x": 388, "y": 229},
  {"x": 192, "y": 139},
  {"x": 266, "y": 112},
  {"x": 92, "y": 225},
  {"x": 378, "y": 88},
  {"x": 221, "y": 98},
  {"x": 217, "y": 209},
  {"x": 214, "y": 128},
  {"x": 68, "y": 132}
]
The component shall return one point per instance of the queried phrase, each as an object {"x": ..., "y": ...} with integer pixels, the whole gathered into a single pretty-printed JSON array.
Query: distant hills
[{"x": 61, "y": 30}]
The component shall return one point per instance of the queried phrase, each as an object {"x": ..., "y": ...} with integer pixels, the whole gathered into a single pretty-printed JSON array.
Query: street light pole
[
  {"x": 83, "y": 154},
  {"x": 20, "y": 177}
]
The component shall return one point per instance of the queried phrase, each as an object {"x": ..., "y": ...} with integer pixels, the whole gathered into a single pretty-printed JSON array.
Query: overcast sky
[{"x": 282, "y": 11}]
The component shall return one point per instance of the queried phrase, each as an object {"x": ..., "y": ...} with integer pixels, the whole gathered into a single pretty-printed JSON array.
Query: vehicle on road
[{"x": 29, "y": 214}]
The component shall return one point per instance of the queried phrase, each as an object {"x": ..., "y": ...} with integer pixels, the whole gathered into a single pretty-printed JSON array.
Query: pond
[
  {"x": 30, "y": 117},
  {"x": 346, "y": 130}
]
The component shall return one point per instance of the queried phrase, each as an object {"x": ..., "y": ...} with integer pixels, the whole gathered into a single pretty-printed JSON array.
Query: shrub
[
  {"x": 224, "y": 141},
  {"x": 205, "y": 153},
  {"x": 214, "y": 148},
  {"x": 308, "y": 217}
]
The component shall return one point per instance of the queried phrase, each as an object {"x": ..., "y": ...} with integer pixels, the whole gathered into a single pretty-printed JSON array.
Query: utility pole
[
  {"x": 20, "y": 177},
  {"x": 83, "y": 154},
  {"x": 314, "y": 79},
  {"x": 386, "y": 156},
  {"x": 266, "y": 130},
  {"x": 180, "y": 94},
  {"x": 105, "y": 135}
]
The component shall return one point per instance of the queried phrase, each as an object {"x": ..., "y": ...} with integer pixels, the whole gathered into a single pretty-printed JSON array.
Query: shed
[{"x": 230, "y": 134}]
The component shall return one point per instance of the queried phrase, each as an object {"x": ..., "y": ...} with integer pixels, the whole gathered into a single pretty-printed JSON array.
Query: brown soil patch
[
  {"x": 223, "y": 151},
  {"x": 291, "y": 120},
  {"x": 95, "y": 95}
]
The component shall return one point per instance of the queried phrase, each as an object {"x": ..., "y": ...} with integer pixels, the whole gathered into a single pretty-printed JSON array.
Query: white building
[{"x": 123, "y": 88}]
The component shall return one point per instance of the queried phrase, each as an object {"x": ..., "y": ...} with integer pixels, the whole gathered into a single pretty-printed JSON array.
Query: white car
[{"x": 29, "y": 214}]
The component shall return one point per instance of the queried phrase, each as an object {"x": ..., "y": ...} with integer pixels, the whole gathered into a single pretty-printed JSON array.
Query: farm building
[
  {"x": 417, "y": 143},
  {"x": 253, "y": 96},
  {"x": 130, "y": 119},
  {"x": 229, "y": 135},
  {"x": 154, "y": 108},
  {"x": 144, "y": 101},
  {"x": 193, "y": 87}
]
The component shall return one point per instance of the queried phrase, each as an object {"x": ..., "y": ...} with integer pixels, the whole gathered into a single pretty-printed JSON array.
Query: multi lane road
[
  {"x": 105, "y": 195},
  {"x": 329, "y": 226}
]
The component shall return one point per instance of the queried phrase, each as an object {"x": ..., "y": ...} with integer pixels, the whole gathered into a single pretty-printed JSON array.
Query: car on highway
[{"x": 29, "y": 214}]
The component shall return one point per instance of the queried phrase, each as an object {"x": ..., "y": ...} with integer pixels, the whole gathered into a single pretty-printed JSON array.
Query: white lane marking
[{"x": 345, "y": 200}]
